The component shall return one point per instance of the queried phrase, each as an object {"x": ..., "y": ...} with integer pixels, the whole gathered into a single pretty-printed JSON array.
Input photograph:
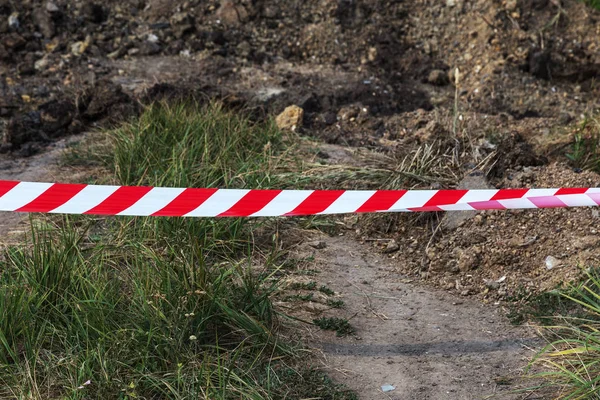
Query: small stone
[
  {"x": 78, "y": 48},
  {"x": 13, "y": 21},
  {"x": 450, "y": 3},
  {"x": 148, "y": 48},
  {"x": 42, "y": 63},
  {"x": 51, "y": 7},
  {"x": 290, "y": 118},
  {"x": 551, "y": 262},
  {"x": 391, "y": 247},
  {"x": 492, "y": 284},
  {"x": 271, "y": 12},
  {"x": 318, "y": 244},
  {"x": 244, "y": 49},
  {"x": 467, "y": 260},
  {"x": 329, "y": 118},
  {"x": 438, "y": 77},
  {"x": 231, "y": 15},
  {"x": 372, "y": 55}
]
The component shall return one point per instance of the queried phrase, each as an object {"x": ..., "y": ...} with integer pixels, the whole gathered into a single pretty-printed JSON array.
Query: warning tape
[{"x": 180, "y": 202}]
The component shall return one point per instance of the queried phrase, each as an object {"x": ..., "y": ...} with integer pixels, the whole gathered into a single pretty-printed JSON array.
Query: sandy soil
[{"x": 427, "y": 343}]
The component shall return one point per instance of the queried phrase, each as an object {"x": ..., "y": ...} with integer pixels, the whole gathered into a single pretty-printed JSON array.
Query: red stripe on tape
[
  {"x": 571, "y": 191},
  {"x": 123, "y": 198},
  {"x": 506, "y": 194},
  {"x": 428, "y": 208},
  {"x": 56, "y": 195},
  {"x": 317, "y": 202},
  {"x": 445, "y": 197},
  {"x": 6, "y": 186},
  {"x": 382, "y": 200},
  {"x": 187, "y": 201},
  {"x": 253, "y": 201}
]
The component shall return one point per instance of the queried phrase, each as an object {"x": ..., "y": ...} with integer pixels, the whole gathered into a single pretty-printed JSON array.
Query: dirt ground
[
  {"x": 378, "y": 76},
  {"x": 426, "y": 343}
]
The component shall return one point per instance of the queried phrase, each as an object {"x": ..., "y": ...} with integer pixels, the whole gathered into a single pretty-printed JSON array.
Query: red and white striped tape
[{"x": 180, "y": 202}]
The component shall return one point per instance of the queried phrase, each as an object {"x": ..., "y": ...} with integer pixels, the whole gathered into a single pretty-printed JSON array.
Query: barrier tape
[{"x": 181, "y": 202}]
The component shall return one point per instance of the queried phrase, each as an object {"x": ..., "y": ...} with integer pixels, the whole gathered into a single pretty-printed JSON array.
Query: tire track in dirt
[{"x": 425, "y": 342}]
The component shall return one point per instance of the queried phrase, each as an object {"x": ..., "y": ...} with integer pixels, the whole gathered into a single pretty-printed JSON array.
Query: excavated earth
[{"x": 499, "y": 89}]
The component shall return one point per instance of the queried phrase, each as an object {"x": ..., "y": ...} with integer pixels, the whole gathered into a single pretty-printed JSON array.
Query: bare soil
[
  {"x": 426, "y": 343},
  {"x": 370, "y": 75}
]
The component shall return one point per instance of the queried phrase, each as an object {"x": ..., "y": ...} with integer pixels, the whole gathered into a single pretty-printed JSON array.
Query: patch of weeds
[
  {"x": 335, "y": 303},
  {"x": 299, "y": 297},
  {"x": 310, "y": 383},
  {"x": 341, "y": 326},
  {"x": 571, "y": 360},
  {"x": 326, "y": 290},
  {"x": 312, "y": 285},
  {"x": 585, "y": 150},
  {"x": 540, "y": 307}
]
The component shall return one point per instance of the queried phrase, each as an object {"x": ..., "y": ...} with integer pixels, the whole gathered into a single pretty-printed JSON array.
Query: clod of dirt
[
  {"x": 290, "y": 118},
  {"x": 231, "y": 15},
  {"x": 438, "y": 77},
  {"x": 43, "y": 21},
  {"x": 515, "y": 152},
  {"x": 539, "y": 64},
  {"x": 56, "y": 115},
  {"x": 108, "y": 99},
  {"x": 50, "y": 121},
  {"x": 92, "y": 12},
  {"x": 391, "y": 247}
]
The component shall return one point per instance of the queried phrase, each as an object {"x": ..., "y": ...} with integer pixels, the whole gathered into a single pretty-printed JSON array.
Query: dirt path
[{"x": 425, "y": 342}]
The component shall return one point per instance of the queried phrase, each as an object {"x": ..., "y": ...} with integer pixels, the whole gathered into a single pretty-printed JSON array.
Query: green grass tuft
[
  {"x": 341, "y": 326},
  {"x": 326, "y": 290},
  {"x": 572, "y": 357},
  {"x": 585, "y": 150}
]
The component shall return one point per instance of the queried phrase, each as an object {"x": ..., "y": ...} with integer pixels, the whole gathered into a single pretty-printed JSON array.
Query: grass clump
[
  {"x": 326, "y": 290},
  {"x": 312, "y": 285},
  {"x": 585, "y": 150},
  {"x": 335, "y": 303},
  {"x": 310, "y": 383},
  {"x": 341, "y": 326},
  {"x": 572, "y": 357},
  {"x": 150, "y": 308}
]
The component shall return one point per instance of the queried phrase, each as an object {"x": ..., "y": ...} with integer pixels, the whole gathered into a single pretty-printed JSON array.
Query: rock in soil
[{"x": 290, "y": 118}]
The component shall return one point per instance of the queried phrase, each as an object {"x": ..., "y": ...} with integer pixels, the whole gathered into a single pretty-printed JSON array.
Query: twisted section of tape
[{"x": 181, "y": 202}]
